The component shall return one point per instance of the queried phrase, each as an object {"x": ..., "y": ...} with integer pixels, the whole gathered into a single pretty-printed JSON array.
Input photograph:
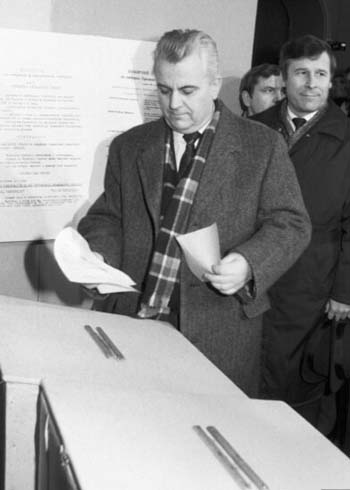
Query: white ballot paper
[
  {"x": 201, "y": 249},
  {"x": 80, "y": 264}
]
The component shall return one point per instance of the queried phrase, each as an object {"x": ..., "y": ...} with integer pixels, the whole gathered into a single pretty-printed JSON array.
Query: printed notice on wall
[{"x": 62, "y": 100}]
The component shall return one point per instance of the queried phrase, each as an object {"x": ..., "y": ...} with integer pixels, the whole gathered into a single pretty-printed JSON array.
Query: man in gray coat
[{"x": 197, "y": 165}]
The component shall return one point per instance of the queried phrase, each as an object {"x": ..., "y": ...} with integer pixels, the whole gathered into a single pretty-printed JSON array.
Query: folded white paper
[
  {"x": 80, "y": 264},
  {"x": 201, "y": 249}
]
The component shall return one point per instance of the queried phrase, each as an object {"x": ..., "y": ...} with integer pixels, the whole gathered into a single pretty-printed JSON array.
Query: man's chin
[
  {"x": 179, "y": 126},
  {"x": 313, "y": 105},
  {"x": 305, "y": 109}
]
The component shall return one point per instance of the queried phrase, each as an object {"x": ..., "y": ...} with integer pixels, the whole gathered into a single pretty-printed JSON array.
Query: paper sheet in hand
[
  {"x": 201, "y": 249},
  {"x": 80, "y": 264}
]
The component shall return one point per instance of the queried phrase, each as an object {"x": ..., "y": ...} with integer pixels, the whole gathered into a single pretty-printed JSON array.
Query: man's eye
[
  {"x": 163, "y": 90},
  {"x": 188, "y": 91},
  {"x": 268, "y": 90}
]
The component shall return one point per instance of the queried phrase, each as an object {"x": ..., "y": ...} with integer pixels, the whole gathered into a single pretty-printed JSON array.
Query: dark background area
[{"x": 280, "y": 20}]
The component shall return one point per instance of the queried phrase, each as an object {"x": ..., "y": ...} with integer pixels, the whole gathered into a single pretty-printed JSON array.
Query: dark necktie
[
  {"x": 298, "y": 122},
  {"x": 189, "y": 153}
]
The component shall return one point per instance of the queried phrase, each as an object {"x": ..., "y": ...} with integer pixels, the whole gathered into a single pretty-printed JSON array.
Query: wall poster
[{"x": 63, "y": 98}]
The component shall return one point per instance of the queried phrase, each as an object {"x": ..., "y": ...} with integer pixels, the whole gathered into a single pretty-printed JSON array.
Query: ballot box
[
  {"x": 148, "y": 440},
  {"x": 49, "y": 342},
  {"x": 73, "y": 416}
]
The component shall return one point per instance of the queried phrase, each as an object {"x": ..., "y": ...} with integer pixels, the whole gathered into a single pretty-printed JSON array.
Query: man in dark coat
[
  {"x": 239, "y": 177},
  {"x": 318, "y": 136}
]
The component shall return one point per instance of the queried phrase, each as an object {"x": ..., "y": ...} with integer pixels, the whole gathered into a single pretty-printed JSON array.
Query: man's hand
[
  {"x": 230, "y": 275},
  {"x": 337, "y": 310}
]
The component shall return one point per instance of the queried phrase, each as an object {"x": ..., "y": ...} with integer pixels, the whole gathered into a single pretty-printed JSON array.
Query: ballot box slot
[
  {"x": 242, "y": 473},
  {"x": 222, "y": 457},
  {"x": 104, "y": 343},
  {"x": 237, "y": 458},
  {"x": 110, "y": 344}
]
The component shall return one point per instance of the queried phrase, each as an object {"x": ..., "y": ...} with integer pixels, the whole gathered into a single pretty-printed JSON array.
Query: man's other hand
[
  {"x": 337, "y": 310},
  {"x": 230, "y": 275}
]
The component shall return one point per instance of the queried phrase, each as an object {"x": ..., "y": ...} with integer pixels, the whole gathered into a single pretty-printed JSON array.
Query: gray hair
[{"x": 175, "y": 45}]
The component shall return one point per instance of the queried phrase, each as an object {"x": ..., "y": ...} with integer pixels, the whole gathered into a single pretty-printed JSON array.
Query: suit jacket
[
  {"x": 322, "y": 162},
  {"x": 248, "y": 187}
]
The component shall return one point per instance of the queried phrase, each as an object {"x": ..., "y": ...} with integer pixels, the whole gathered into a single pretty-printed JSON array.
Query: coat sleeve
[
  {"x": 283, "y": 228},
  {"x": 341, "y": 286},
  {"x": 101, "y": 226}
]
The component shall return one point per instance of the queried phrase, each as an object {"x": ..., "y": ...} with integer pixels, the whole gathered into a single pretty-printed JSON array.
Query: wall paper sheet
[{"x": 63, "y": 98}]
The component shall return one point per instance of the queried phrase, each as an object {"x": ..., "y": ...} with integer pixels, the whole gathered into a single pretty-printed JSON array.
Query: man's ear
[
  {"x": 247, "y": 100},
  {"x": 216, "y": 87}
]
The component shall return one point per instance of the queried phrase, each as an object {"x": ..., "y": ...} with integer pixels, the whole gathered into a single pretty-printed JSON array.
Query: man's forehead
[
  {"x": 190, "y": 71},
  {"x": 320, "y": 59},
  {"x": 270, "y": 81}
]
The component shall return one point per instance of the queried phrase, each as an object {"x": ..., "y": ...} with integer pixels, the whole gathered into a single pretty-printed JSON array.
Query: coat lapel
[
  {"x": 220, "y": 164},
  {"x": 222, "y": 157},
  {"x": 150, "y": 161}
]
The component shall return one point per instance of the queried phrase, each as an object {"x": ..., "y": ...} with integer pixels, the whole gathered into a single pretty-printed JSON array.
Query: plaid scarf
[
  {"x": 290, "y": 135},
  {"x": 163, "y": 273}
]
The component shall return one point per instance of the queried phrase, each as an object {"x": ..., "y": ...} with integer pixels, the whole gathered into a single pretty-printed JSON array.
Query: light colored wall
[{"x": 28, "y": 270}]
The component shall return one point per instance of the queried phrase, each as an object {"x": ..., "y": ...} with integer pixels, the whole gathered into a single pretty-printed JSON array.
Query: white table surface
[
  {"x": 48, "y": 342},
  {"x": 41, "y": 341},
  {"x": 144, "y": 440},
  {"x": 128, "y": 424}
]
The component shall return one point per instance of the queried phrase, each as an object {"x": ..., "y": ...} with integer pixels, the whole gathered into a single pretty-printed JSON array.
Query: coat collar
[
  {"x": 332, "y": 122},
  {"x": 218, "y": 166}
]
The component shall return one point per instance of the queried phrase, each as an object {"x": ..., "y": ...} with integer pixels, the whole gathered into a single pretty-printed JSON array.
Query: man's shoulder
[
  {"x": 269, "y": 117},
  {"x": 335, "y": 114},
  {"x": 140, "y": 133},
  {"x": 248, "y": 126}
]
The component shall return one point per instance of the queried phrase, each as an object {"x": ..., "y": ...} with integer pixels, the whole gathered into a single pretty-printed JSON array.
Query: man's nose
[
  {"x": 175, "y": 100},
  {"x": 278, "y": 95},
  {"x": 311, "y": 80}
]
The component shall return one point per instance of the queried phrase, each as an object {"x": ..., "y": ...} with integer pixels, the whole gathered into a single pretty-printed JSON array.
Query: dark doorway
[{"x": 280, "y": 20}]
